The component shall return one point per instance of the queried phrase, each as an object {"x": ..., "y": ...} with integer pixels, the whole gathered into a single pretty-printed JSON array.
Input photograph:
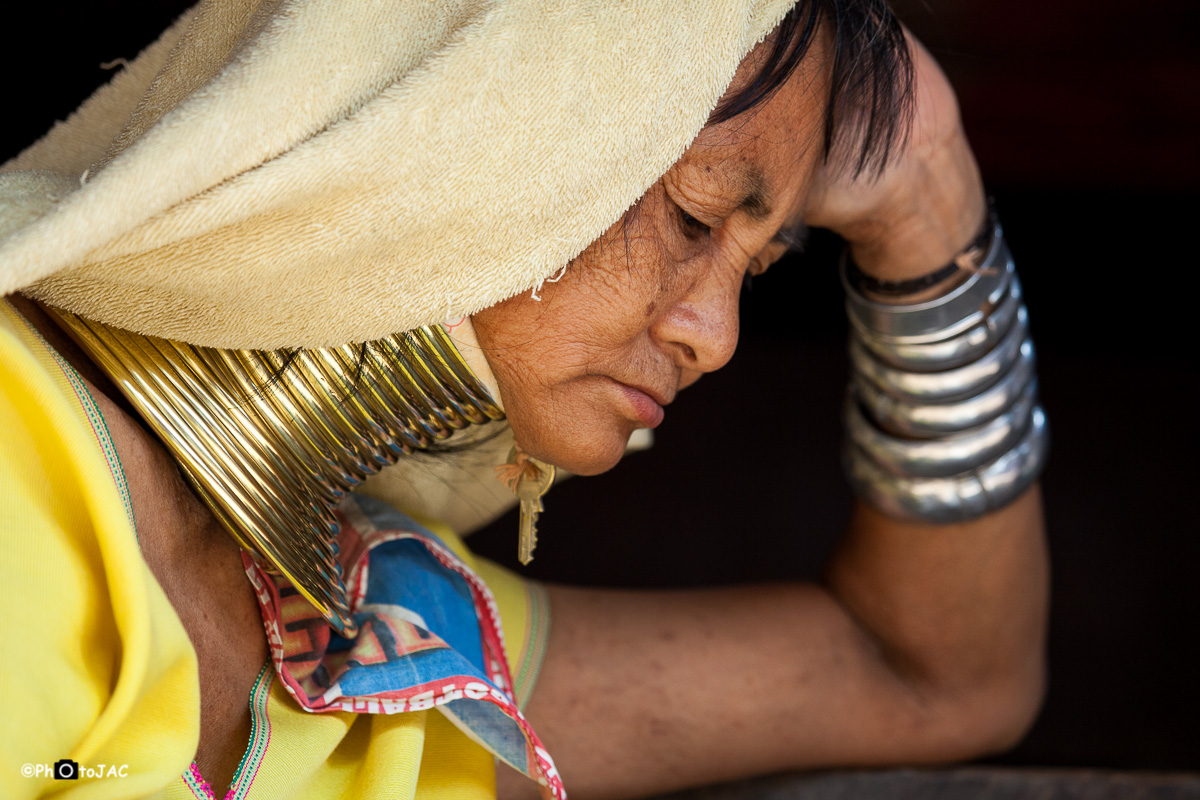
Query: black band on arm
[{"x": 869, "y": 285}]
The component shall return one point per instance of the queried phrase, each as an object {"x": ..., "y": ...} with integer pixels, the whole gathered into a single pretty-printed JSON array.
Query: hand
[{"x": 928, "y": 202}]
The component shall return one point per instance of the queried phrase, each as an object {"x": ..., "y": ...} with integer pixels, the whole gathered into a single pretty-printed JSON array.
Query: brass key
[{"x": 529, "y": 490}]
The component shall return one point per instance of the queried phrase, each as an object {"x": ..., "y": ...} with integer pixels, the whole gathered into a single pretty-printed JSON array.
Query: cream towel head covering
[{"x": 281, "y": 173}]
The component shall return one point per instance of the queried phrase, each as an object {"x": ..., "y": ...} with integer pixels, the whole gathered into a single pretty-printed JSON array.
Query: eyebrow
[{"x": 756, "y": 202}]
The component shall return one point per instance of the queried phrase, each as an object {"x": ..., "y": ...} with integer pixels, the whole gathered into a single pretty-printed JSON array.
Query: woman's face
[{"x": 653, "y": 303}]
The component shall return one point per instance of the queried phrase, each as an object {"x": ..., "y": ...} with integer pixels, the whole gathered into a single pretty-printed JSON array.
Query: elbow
[
  {"x": 1015, "y": 710},
  {"x": 987, "y": 717}
]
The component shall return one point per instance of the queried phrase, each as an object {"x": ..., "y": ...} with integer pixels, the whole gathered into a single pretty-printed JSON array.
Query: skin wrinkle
[
  {"x": 653, "y": 303},
  {"x": 757, "y": 200},
  {"x": 680, "y": 321}
]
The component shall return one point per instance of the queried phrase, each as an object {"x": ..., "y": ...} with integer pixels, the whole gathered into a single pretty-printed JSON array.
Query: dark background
[{"x": 1085, "y": 117}]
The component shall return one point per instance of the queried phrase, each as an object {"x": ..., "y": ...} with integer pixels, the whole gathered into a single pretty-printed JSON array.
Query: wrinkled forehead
[{"x": 756, "y": 160}]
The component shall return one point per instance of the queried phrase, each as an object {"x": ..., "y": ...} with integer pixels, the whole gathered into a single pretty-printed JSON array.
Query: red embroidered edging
[{"x": 198, "y": 785}]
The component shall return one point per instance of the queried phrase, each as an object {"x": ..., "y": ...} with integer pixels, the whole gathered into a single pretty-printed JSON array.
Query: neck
[{"x": 272, "y": 440}]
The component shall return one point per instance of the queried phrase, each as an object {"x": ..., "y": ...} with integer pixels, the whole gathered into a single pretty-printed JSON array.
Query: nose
[{"x": 701, "y": 329}]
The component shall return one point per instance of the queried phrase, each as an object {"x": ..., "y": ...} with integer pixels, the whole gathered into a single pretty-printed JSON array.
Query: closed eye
[
  {"x": 691, "y": 227},
  {"x": 793, "y": 237}
]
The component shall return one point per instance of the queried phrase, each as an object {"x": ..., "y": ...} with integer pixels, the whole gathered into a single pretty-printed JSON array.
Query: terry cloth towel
[{"x": 316, "y": 172}]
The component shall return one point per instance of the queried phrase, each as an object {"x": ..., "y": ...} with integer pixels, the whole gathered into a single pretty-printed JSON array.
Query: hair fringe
[{"x": 870, "y": 105}]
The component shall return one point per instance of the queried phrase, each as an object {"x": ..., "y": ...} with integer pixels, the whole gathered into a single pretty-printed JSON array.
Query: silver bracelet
[
  {"x": 941, "y": 318},
  {"x": 951, "y": 384},
  {"x": 942, "y": 419},
  {"x": 956, "y": 351}
]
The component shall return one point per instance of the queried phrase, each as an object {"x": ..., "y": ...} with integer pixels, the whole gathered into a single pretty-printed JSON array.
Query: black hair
[{"x": 871, "y": 84}]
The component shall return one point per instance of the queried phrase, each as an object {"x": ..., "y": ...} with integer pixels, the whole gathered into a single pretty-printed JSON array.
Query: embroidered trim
[
  {"x": 195, "y": 781},
  {"x": 99, "y": 426},
  {"x": 260, "y": 737},
  {"x": 537, "y": 628},
  {"x": 103, "y": 436},
  {"x": 260, "y": 734}
]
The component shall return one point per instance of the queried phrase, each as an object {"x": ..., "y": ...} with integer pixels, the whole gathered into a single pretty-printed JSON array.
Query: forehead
[{"x": 763, "y": 156}]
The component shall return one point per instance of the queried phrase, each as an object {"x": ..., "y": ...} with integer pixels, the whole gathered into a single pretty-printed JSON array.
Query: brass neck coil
[{"x": 272, "y": 440}]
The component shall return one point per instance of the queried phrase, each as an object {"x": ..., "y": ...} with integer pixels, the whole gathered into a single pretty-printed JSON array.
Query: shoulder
[{"x": 103, "y": 658}]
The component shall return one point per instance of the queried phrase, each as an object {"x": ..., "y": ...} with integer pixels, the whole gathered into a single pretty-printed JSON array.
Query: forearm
[
  {"x": 956, "y": 612},
  {"x": 648, "y": 692}
]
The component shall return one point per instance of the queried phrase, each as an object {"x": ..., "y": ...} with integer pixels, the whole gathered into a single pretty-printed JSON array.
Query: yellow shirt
[{"x": 98, "y": 668}]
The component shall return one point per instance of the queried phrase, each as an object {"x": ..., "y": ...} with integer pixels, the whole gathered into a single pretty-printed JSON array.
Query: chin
[
  {"x": 580, "y": 455},
  {"x": 589, "y": 468}
]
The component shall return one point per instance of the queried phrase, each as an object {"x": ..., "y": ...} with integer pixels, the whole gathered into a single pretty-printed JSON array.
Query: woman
[{"x": 923, "y": 646}]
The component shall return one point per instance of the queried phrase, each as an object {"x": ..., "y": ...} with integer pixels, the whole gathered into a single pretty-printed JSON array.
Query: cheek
[
  {"x": 553, "y": 359},
  {"x": 558, "y": 404},
  {"x": 535, "y": 347},
  {"x": 605, "y": 300}
]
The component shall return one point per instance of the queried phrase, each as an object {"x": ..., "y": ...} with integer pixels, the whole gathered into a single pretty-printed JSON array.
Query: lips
[
  {"x": 657, "y": 395},
  {"x": 646, "y": 402}
]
